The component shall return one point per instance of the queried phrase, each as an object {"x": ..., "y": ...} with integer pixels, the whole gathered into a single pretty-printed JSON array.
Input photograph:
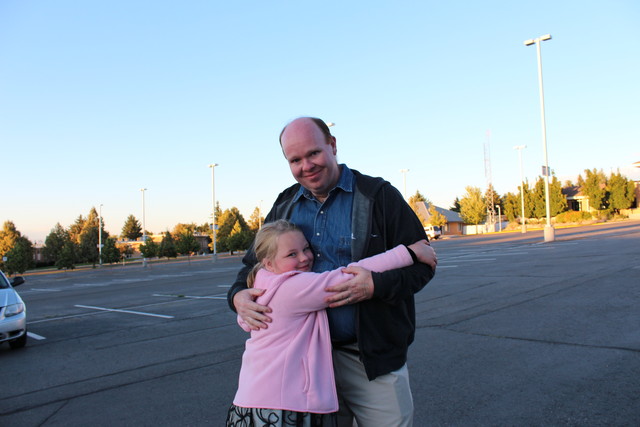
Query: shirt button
[{"x": 317, "y": 234}]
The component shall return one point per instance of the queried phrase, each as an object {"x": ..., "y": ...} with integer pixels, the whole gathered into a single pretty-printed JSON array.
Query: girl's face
[{"x": 294, "y": 253}]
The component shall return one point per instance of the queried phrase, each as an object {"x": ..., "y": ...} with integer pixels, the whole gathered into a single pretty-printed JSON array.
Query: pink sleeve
[
  {"x": 397, "y": 257},
  {"x": 305, "y": 292}
]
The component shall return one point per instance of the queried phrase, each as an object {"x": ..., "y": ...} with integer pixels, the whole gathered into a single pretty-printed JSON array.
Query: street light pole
[
  {"x": 144, "y": 227},
  {"x": 213, "y": 196},
  {"x": 404, "y": 181},
  {"x": 100, "y": 235},
  {"x": 522, "y": 219},
  {"x": 549, "y": 232}
]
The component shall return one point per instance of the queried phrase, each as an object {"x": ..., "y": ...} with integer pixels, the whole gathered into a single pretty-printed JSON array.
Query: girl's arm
[{"x": 305, "y": 292}]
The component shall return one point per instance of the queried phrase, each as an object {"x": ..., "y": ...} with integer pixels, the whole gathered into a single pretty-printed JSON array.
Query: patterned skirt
[{"x": 259, "y": 417}]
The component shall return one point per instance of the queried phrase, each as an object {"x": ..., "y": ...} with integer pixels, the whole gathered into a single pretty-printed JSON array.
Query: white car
[
  {"x": 433, "y": 232},
  {"x": 13, "y": 313}
]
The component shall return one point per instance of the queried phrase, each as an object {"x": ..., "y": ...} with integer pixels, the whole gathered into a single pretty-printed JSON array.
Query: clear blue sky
[{"x": 100, "y": 99}]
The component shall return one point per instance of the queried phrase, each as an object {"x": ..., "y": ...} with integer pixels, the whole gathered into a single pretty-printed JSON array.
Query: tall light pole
[
  {"x": 404, "y": 181},
  {"x": 100, "y": 235},
  {"x": 549, "y": 232},
  {"x": 213, "y": 196},
  {"x": 144, "y": 227},
  {"x": 499, "y": 218},
  {"x": 522, "y": 219}
]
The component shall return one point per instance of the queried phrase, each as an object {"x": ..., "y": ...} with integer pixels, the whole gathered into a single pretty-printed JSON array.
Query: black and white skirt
[{"x": 259, "y": 417}]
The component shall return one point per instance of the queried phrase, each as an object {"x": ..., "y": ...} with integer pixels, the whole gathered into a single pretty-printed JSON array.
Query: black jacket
[{"x": 381, "y": 220}]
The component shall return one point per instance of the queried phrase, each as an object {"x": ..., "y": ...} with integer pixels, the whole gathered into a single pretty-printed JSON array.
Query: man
[{"x": 347, "y": 216}]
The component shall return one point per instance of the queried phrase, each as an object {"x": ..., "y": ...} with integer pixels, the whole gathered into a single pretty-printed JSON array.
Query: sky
[{"x": 101, "y": 99}]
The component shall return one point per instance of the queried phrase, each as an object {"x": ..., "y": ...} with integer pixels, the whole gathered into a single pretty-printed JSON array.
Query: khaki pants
[{"x": 385, "y": 401}]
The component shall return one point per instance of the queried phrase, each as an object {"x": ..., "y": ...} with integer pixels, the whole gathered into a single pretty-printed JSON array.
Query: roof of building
[{"x": 449, "y": 214}]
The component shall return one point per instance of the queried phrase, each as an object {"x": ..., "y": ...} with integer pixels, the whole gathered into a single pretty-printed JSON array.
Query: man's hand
[
  {"x": 356, "y": 289},
  {"x": 249, "y": 310}
]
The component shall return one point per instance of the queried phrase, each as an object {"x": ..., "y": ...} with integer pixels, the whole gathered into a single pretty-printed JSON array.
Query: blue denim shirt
[{"x": 327, "y": 226}]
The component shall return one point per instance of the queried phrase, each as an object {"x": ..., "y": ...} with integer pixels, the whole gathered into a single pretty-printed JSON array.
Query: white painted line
[
  {"x": 224, "y": 286},
  {"x": 45, "y": 290},
  {"x": 184, "y": 296},
  {"x": 124, "y": 311},
  {"x": 445, "y": 266},
  {"x": 35, "y": 336}
]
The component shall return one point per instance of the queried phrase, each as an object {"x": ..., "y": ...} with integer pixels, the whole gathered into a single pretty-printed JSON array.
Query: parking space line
[
  {"x": 124, "y": 311},
  {"x": 35, "y": 336},
  {"x": 186, "y": 296}
]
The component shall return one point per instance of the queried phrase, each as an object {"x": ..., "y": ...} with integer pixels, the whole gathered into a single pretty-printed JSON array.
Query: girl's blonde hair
[{"x": 265, "y": 244}]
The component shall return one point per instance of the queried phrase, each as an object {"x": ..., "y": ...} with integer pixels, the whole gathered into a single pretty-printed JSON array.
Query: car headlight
[{"x": 13, "y": 310}]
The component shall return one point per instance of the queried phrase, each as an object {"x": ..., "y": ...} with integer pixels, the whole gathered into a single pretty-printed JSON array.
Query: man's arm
[{"x": 401, "y": 226}]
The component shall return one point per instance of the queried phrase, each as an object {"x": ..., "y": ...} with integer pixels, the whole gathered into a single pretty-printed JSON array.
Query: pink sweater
[{"x": 288, "y": 365}]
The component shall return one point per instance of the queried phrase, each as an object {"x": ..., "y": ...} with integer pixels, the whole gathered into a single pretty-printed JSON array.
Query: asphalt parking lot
[{"x": 512, "y": 331}]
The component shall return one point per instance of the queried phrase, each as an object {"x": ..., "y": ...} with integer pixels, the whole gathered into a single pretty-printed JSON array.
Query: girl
[{"x": 286, "y": 376}]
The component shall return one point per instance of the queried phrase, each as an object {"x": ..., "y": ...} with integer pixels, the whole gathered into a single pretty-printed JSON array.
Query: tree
[
  {"x": 557, "y": 200},
  {"x": 68, "y": 256},
  {"x": 186, "y": 243},
  {"x": 491, "y": 197},
  {"x": 621, "y": 192},
  {"x": 132, "y": 229},
  {"x": 238, "y": 239},
  {"x": 8, "y": 237},
  {"x": 110, "y": 252},
  {"x": 255, "y": 220},
  {"x": 511, "y": 206},
  {"x": 76, "y": 228},
  {"x": 436, "y": 218},
  {"x": 594, "y": 188},
  {"x": 149, "y": 249},
  {"x": 226, "y": 226},
  {"x": 472, "y": 206},
  {"x": 167, "y": 246},
  {"x": 539, "y": 199},
  {"x": 456, "y": 206},
  {"x": 54, "y": 243},
  {"x": 20, "y": 257},
  {"x": 181, "y": 228},
  {"x": 414, "y": 203}
]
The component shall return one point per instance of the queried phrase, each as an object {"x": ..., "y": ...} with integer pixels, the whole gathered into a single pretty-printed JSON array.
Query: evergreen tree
[
  {"x": 594, "y": 187},
  {"x": 76, "y": 228},
  {"x": 238, "y": 239},
  {"x": 167, "y": 246},
  {"x": 472, "y": 206},
  {"x": 557, "y": 200},
  {"x": 20, "y": 257},
  {"x": 456, "y": 206},
  {"x": 132, "y": 230},
  {"x": 226, "y": 224},
  {"x": 54, "y": 243},
  {"x": 621, "y": 192},
  {"x": 110, "y": 252},
  {"x": 538, "y": 199},
  {"x": 511, "y": 207},
  {"x": 68, "y": 256},
  {"x": 255, "y": 220}
]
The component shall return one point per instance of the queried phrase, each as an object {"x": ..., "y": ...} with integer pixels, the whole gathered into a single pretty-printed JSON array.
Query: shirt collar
[{"x": 345, "y": 183}]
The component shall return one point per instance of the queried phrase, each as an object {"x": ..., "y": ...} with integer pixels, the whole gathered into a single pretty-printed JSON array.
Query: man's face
[{"x": 312, "y": 159}]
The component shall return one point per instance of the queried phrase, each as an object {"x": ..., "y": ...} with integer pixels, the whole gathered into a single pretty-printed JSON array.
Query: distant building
[{"x": 454, "y": 225}]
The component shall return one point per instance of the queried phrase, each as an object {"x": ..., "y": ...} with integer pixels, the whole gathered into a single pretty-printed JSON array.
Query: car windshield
[{"x": 4, "y": 283}]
